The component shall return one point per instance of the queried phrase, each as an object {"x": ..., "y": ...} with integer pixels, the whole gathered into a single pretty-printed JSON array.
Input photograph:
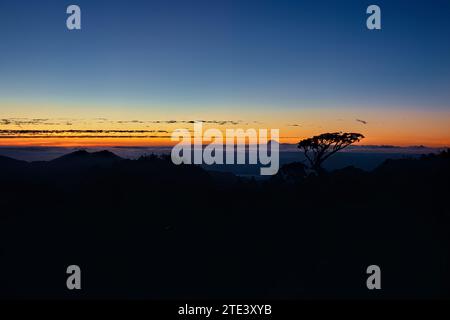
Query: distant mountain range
[
  {"x": 163, "y": 229},
  {"x": 75, "y": 160}
]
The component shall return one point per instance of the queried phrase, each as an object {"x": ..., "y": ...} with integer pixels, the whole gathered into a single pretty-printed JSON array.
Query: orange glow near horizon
[
  {"x": 380, "y": 126},
  {"x": 76, "y": 142}
]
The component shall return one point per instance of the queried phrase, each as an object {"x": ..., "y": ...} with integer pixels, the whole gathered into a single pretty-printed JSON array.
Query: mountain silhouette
[
  {"x": 84, "y": 155},
  {"x": 84, "y": 159},
  {"x": 167, "y": 231},
  {"x": 7, "y": 163}
]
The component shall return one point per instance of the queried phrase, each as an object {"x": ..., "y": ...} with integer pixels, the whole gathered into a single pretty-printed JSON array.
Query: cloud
[
  {"x": 219, "y": 122},
  {"x": 67, "y": 127},
  {"x": 130, "y": 121},
  {"x": 76, "y": 131},
  {"x": 23, "y": 121},
  {"x": 85, "y": 136},
  {"x": 82, "y": 133},
  {"x": 362, "y": 121},
  {"x": 69, "y": 122}
]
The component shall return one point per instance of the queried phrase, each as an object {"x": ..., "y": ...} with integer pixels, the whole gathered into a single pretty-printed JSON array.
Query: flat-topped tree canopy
[{"x": 319, "y": 148}]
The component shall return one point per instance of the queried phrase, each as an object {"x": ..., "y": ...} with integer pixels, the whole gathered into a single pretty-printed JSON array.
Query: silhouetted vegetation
[
  {"x": 149, "y": 229},
  {"x": 319, "y": 148}
]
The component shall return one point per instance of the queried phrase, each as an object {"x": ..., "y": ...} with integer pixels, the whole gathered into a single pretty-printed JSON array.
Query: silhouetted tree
[{"x": 319, "y": 148}]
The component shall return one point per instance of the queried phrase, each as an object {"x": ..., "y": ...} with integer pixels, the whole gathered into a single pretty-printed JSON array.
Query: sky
[{"x": 137, "y": 70}]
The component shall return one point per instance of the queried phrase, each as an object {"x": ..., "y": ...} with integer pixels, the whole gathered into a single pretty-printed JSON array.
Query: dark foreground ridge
[{"x": 149, "y": 229}]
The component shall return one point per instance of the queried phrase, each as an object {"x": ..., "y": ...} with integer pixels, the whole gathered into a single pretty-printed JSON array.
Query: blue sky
[
  {"x": 280, "y": 61},
  {"x": 287, "y": 53}
]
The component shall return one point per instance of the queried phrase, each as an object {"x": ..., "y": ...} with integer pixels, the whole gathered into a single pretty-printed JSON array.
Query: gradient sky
[{"x": 305, "y": 67}]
